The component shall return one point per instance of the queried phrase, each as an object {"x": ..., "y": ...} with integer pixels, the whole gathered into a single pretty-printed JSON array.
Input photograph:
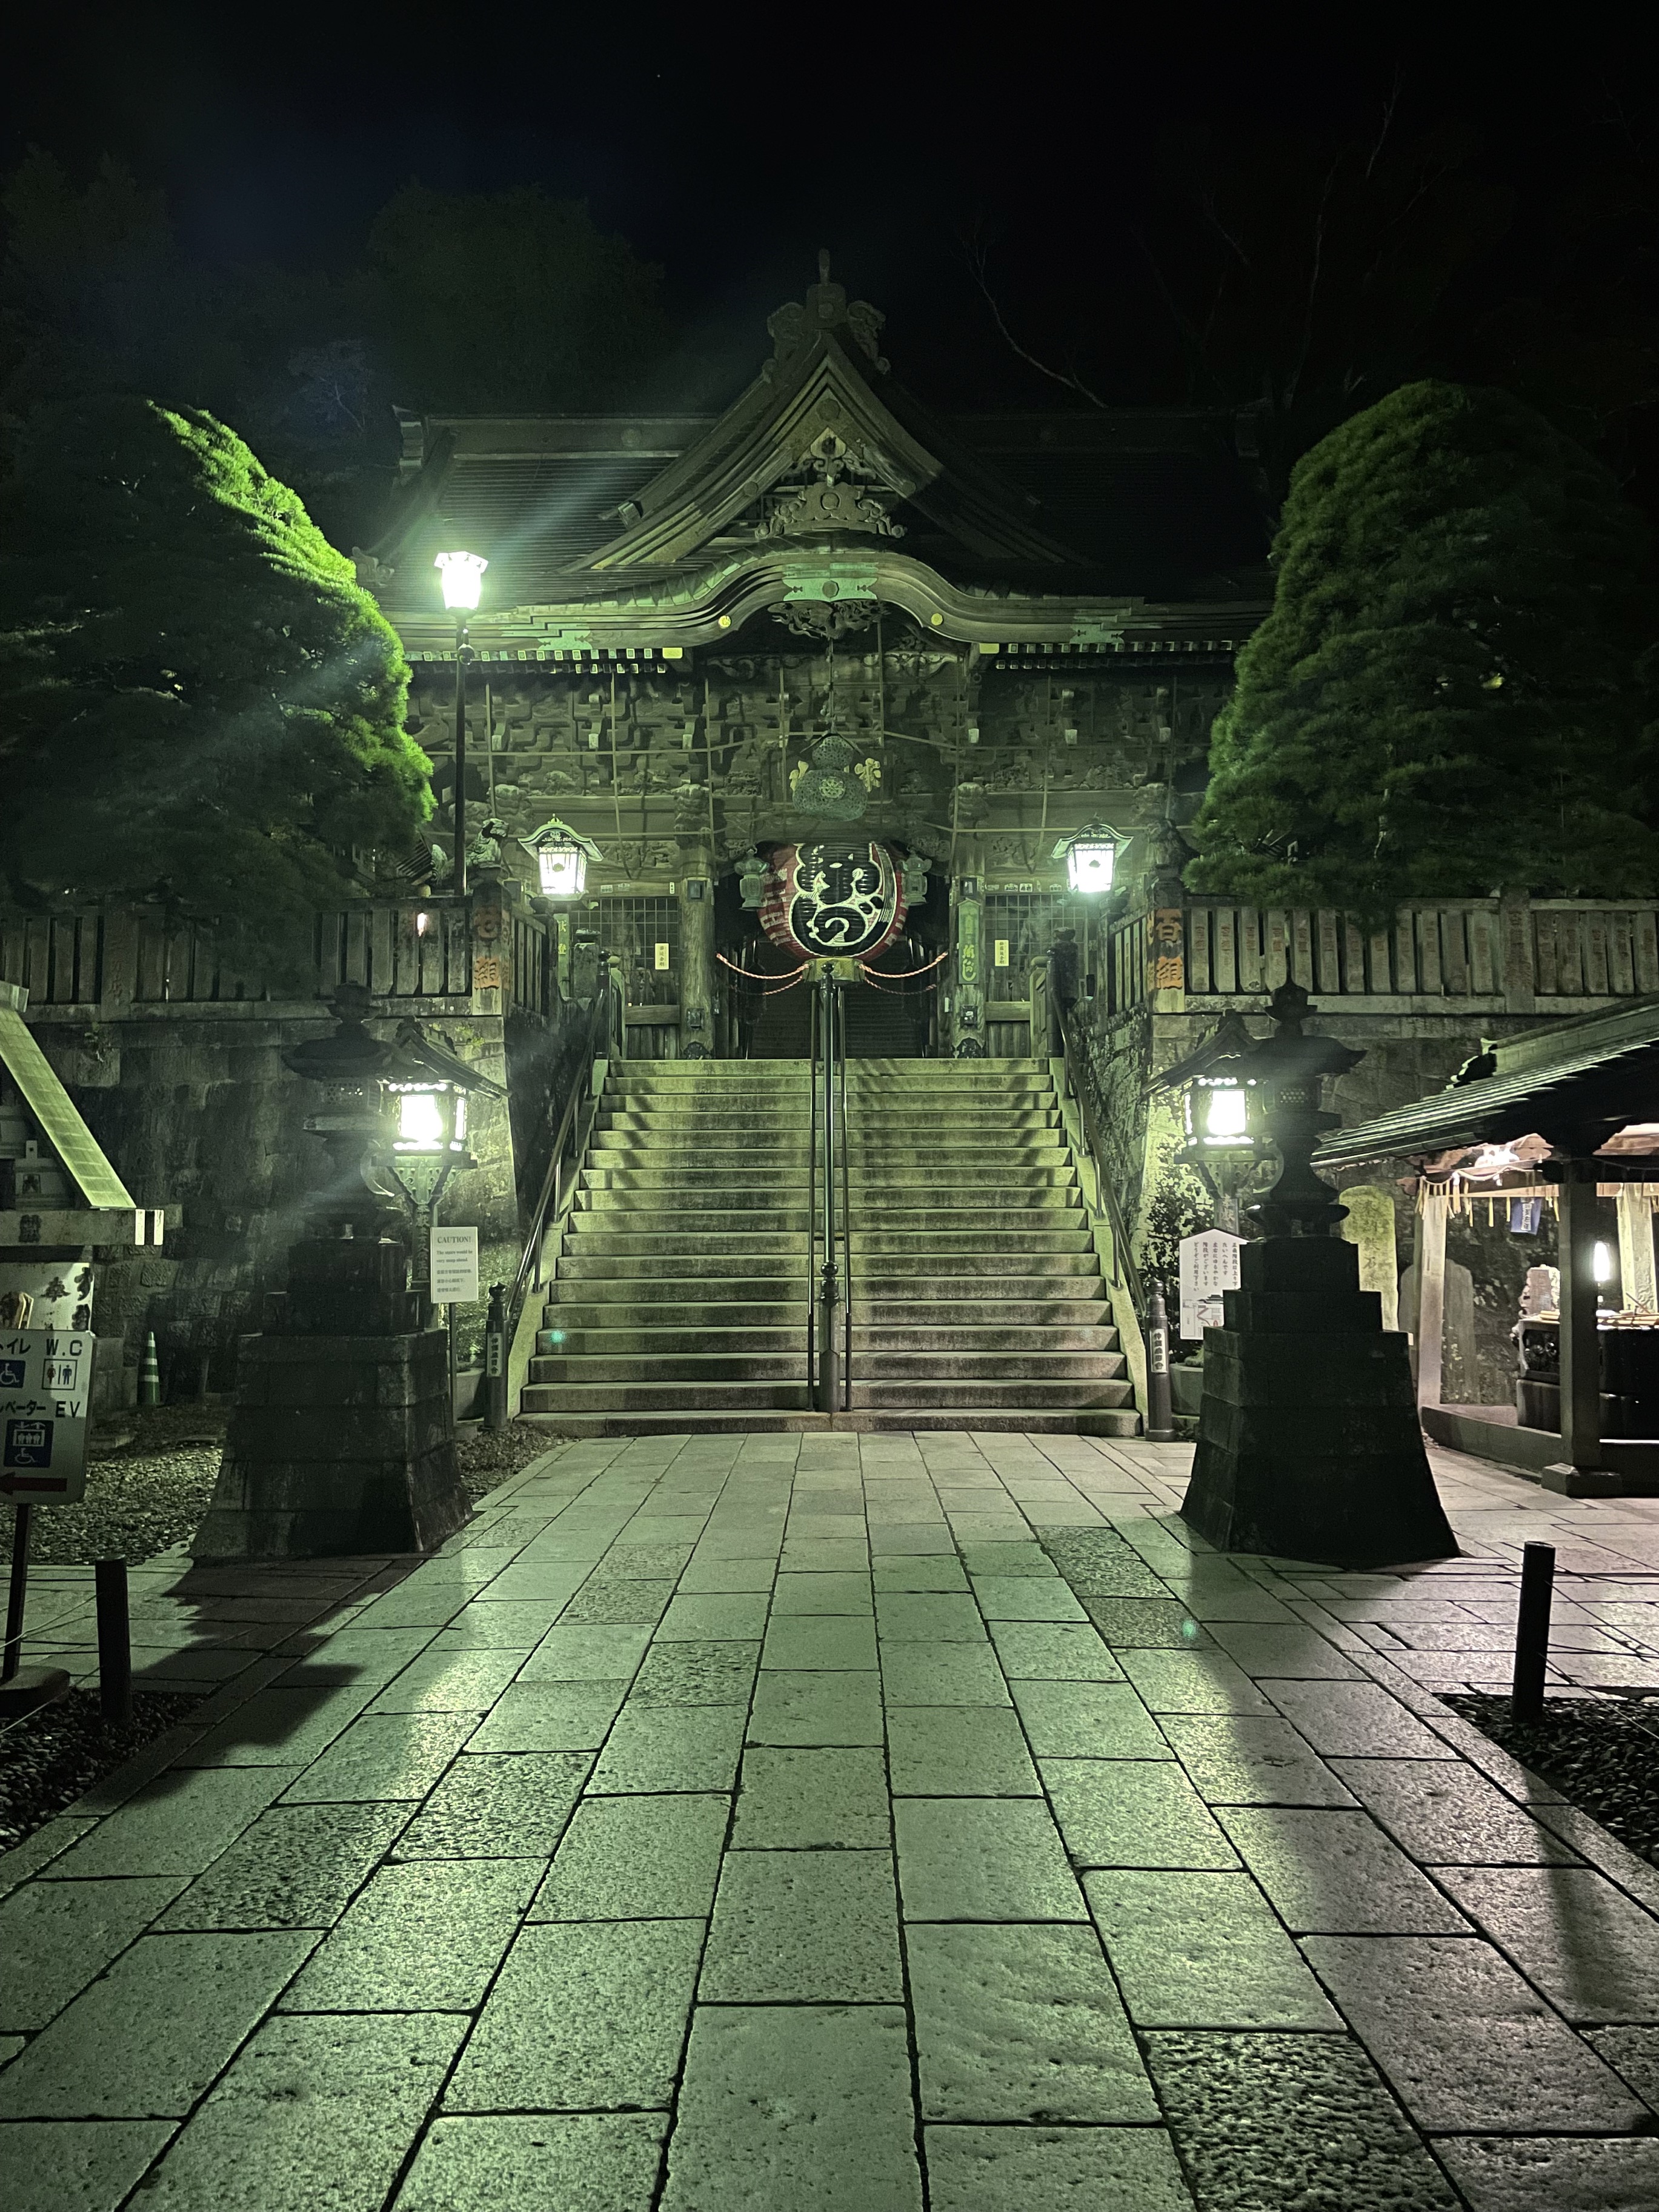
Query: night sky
[{"x": 730, "y": 144}]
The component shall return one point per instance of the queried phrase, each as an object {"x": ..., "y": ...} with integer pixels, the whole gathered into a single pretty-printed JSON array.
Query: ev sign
[{"x": 45, "y": 1385}]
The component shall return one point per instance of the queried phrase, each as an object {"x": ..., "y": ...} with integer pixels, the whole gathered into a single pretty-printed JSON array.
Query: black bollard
[
  {"x": 17, "y": 1595},
  {"x": 1531, "y": 1631},
  {"x": 114, "y": 1643},
  {"x": 495, "y": 1359},
  {"x": 1160, "y": 1419}
]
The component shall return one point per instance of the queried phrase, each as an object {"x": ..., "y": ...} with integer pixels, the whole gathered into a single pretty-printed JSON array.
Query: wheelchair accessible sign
[{"x": 45, "y": 1385}]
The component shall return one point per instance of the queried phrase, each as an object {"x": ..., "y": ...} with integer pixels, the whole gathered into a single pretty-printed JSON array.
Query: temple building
[
  {"x": 826, "y": 673},
  {"x": 829, "y": 615}
]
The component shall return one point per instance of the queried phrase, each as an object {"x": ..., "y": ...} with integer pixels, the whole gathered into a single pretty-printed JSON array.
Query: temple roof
[{"x": 825, "y": 453}]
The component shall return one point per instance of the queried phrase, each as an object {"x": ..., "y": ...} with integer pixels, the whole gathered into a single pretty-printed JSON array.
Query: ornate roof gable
[{"x": 823, "y": 443}]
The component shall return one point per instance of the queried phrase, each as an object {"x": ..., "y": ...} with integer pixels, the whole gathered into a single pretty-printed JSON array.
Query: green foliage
[
  {"x": 196, "y": 700},
  {"x": 1443, "y": 701}
]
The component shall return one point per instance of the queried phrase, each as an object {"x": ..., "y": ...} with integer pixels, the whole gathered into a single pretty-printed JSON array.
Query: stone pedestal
[
  {"x": 1309, "y": 1445},
  {"x": 341, "y": 1441}
]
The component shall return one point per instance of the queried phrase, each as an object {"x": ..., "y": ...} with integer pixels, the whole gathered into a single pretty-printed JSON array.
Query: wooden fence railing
[
  {"x": 119, "y": 958},
  {"x": 1517, "y": 953}
]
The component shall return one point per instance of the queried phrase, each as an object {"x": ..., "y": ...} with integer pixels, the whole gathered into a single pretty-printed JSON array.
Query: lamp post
[{"x": 463, "y": 580}]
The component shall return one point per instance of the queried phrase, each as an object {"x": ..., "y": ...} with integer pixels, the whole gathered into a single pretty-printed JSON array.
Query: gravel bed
[
  {"x": 54, "y": 1754},
  {"x": 148, "y": 1481},
  {"x": 136, "y": 1505},
  {"x": 1601, "y": 1753},
  {"x": 487, "y": 1459}
]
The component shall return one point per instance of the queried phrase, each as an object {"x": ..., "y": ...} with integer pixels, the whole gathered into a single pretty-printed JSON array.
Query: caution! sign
[{"x": 46, "y": 1390}]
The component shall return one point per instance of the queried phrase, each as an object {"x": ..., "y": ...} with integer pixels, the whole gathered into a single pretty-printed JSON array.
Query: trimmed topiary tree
[
  {"x": 1443, "y": 701},
  {"x": 196, "y": 699}
]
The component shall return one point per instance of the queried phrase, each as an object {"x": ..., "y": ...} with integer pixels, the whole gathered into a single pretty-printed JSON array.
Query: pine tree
[
  {"x": 198, "y": 702},
  {"x": 1443, "y": 701}
]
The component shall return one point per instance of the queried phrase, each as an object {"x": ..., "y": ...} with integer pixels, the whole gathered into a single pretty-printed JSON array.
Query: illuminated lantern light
[
  {"x": 463, "y": 579},
  {"x": 1226, "y": 1118},
  {"x": 562, "y": 855},
  {"x": 1090, "y": 857},
  {"x": 1089, "y": 867},
  {"x": 431, "y": 1117}
]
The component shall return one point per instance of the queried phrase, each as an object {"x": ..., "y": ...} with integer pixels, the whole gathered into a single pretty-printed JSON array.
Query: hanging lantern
[
  {"x": 843, "y": 901},
  {"x": 831, "y": 785},
  {"x": 751, "y": 880},
  {"x": 562, "y": 855},
  {"x": 1090, "y": 856}
]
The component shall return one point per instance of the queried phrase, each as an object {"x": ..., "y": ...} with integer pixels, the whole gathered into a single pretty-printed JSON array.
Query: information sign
[
  {"x": 454, "y": 1267},
  {"x": 1209, "y": 1266},
  {"x": 45, "y": 1388}
]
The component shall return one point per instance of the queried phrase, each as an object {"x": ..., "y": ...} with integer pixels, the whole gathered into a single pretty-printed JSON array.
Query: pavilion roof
[{"x": 1576, "y": 1084}]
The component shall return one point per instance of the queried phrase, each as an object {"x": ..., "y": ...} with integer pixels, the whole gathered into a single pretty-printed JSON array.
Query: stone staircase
[{"x": 681, "y": 1295}]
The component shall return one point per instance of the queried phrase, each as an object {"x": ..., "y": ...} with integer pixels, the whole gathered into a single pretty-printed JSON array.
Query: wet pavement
[{"x": 744, "y": 1823}]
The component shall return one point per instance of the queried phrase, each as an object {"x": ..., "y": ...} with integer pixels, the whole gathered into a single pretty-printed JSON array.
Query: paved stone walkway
[{"x": 845, "y": 1823}]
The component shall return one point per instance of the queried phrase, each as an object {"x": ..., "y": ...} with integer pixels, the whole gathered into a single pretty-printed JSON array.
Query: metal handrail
[
  {"x": 846, "y": 1213},
  {"x": 825, "y": 1283},
  {"x": 604, "y": 1032},
  {"x": 1122, "y": 1258},
  {"x": 813, "y": 1208}
]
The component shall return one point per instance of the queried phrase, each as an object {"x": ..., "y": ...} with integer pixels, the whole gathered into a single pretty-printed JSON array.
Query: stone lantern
[
  {"x": 1308, "y": 1445},
  {"x": 342, "y": 1438}
]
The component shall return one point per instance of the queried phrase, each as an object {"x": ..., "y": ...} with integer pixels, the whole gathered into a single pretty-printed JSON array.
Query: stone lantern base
[
  {"x": 1309, "y": 1445},
  {"x": 340, "y": 1443}
]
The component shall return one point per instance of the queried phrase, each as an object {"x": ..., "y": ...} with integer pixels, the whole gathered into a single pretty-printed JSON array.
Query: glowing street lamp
[
  {"x": 462, "y": 574},
  {"x": 463, "y": 580},
  {"x": 562, "y": 855},
  {"x": 1090, "y": 857}
]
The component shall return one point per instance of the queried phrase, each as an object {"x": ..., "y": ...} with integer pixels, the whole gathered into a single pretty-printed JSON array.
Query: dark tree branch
[{"x": 977, "y": 253}]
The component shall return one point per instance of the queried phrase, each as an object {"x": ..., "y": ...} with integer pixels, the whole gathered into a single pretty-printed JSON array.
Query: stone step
[
  {"x": 876, "y": 1182},
  {"x": 944, "y": 1253},
  {"x": 891, "y": 1276},
  {"x": 1057, "y": 1395},
  {"x": 895, "y": 1205},
  {"x": 742, "y": 1399},
  {"x": 1100, "y": 1421},
  {"x": 685, "y": 1305},
  {"x": 925, "y": 1370},
  {"x": 882, "y": 1070},
  {"x": 720, "y": 1140},
  {"x": 693, "y": 1370},
  {"x": 651, "y": 1334},
  {"x": 745, "y": 1399},
  {"x": 592, "y": 1265},
  {"x": 730, "y": 1129}
]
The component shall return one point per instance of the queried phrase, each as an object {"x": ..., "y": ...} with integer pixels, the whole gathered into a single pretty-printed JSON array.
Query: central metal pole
[
  {"x": 463, "y": 654},
  {"x": 830, "y": 1278}
]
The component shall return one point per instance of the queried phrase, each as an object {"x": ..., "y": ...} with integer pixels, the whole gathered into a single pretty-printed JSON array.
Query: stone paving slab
[{"x": 621, "y": 1855}]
